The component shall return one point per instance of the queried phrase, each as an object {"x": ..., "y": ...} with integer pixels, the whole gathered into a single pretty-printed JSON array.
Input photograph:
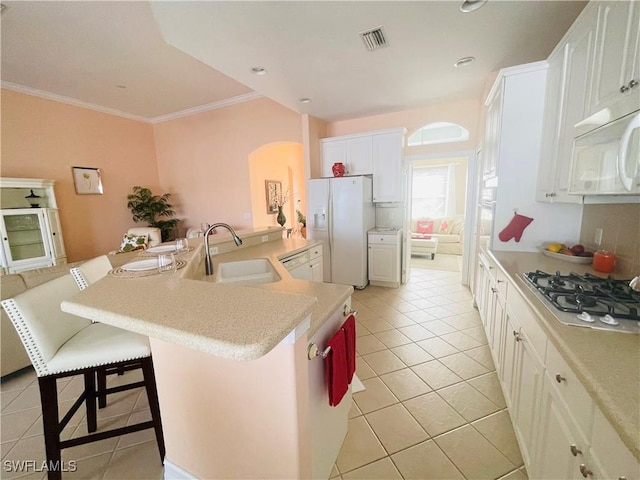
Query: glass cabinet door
[{"x": 24, "y": 236}]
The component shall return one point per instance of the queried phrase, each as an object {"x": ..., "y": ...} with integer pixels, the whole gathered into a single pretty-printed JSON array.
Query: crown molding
[
  {"x": 111, "y": 111},
  {"x": 70, "y": 101},
  {"x": 205, "y": 108}
]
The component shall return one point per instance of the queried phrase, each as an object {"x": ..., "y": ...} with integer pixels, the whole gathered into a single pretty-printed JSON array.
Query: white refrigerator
[{"x": 340, "y": 212}]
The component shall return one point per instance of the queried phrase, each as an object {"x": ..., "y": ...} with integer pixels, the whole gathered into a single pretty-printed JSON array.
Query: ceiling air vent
[{"x": 374, "y": 38}]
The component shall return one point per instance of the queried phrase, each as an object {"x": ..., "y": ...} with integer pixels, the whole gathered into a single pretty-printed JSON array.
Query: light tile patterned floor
[{"x": 432, "y": 408}]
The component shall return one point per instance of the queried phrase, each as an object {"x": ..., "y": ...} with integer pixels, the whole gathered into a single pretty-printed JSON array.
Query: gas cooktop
[{"x": 588, "y": 300}]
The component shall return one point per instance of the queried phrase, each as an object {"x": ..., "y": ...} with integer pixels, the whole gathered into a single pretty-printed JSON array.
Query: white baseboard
[{"x": 174, "y": 472}]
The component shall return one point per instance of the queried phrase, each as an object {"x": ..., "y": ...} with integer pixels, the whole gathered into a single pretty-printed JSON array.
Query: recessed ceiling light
[
  {"x": 464, "y": 61},
  {"x": 305, "y": 100},
  {"x": 259, "y": 71},
  {"x": 471, "y": 5}
]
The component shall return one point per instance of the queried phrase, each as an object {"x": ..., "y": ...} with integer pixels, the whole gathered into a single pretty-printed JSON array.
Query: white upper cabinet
[
  {"x": 492, "y": 134},
  {"x": 388, "y": 173},
  {"x": 616, "y": 69},
  {"x": 376, "y": 153},
  {"x": 355, "y": 153},
  {"x": 565, "y": 105}
]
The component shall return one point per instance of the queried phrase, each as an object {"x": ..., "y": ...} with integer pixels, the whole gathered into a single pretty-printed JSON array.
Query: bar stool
[
  {"x": 85, "y": 274},
  {"x": 62, "y": 345},
  {"x": 91, "y": 271}
]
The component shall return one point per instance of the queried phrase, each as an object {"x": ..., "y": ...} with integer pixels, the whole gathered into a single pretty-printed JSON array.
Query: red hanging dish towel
[
  {"x": 349, "y": 327},
  {"x": 336, "y": 368}
]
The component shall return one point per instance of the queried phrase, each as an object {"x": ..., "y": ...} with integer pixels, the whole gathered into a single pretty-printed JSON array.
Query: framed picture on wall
[
  {"x": 273, "y": 190},
  {"x": 87, "y": 180}
]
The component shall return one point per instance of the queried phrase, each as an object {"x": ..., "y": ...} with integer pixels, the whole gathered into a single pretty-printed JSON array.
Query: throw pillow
[
  {"x": 424, "y": 226},
  {"x": 133, "y": 242},
  {"x": 456, "y": 226},
  {"x": 444, "y": 227}
]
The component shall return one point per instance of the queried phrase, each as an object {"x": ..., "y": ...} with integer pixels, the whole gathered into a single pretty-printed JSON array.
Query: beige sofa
[
  {"x": 13, "y": 356},
  {"x": 449, "y": 232}
]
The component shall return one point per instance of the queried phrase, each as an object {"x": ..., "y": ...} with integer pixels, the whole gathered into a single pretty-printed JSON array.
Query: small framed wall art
[
  {"x": 87, "y": 180},
  {"x": 273, "y": 190}
]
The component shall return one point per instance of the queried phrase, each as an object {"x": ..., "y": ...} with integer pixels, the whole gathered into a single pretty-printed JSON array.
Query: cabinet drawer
[
  {"x": 383, "y": 239},
  {"x": 574, "y": 395},
  {"x": 527, "y": 320},
  {"x": 315, "y": 252}
]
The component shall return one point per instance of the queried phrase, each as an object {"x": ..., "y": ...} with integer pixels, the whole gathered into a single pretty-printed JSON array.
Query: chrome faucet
[{"x": 208, "y": 266}]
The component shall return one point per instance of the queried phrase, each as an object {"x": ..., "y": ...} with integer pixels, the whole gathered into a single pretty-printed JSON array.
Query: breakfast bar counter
[
  {"x": 238, "y": 395},
  {"x": 193, "y": 310}
]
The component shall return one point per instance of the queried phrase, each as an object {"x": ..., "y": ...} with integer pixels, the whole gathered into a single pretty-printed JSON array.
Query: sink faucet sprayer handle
[{"x": 208, "y": 266}]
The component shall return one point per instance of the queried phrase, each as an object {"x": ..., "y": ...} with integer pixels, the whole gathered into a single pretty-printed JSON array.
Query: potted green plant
[
  {"x": 302, "y": 220},
  {"x": 150, "y": 208}
]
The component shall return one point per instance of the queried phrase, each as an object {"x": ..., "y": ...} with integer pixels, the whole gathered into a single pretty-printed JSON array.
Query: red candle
[{"x": 604, "y": 262}]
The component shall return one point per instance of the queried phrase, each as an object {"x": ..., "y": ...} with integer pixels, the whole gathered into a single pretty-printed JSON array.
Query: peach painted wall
[
  {"x": 313, "y": 129},
  {"x": 282, "y": 162},
  {"x": 227, "y": 419},
  {"x": 204, "y": 158},
  {"x": 44, "y": 139}
]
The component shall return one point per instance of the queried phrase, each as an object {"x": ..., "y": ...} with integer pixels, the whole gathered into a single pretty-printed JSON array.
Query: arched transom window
[{"x": 440, "y": 132}]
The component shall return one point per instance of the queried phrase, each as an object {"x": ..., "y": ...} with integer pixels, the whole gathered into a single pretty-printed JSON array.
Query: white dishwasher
[{"x": 298, "y": 265}]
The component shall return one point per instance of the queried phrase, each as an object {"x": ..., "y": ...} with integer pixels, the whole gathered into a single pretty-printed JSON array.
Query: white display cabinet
[{"x": 29, "y": 225}]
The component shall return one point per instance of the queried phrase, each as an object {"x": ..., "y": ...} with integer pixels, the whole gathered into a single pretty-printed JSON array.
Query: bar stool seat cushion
[{"x": 97, "y": 345}]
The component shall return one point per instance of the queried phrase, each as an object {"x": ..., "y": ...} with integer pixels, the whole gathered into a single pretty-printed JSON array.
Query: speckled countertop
[
  {"x": 190, "y": 309},
  {"x": 607, "y": 363}
]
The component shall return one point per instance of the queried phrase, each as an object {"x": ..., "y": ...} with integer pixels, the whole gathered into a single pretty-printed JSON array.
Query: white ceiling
[{"x": 185, "y": 56}]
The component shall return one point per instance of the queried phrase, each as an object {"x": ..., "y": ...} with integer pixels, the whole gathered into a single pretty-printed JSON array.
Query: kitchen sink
[{"x": 247, "y": 272}]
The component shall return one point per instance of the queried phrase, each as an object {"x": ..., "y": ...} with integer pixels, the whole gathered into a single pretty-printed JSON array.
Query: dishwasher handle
[{"x": 295, "y": 260}]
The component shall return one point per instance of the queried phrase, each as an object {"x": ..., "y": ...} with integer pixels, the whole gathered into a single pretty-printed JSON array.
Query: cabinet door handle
[
  {"x": 633, "y": 83},
  {"x": 517, "y": 336},
  {"x": 348, "y": 311},
  {"x": 494, "y": 290},
  {"x": 499, "y": 281},
  {"x": 585, "y": 471},
  {"x": 623, "y": 89},
  {"x": 560, "y": 378},
  {"x": 575, "y": 451}
]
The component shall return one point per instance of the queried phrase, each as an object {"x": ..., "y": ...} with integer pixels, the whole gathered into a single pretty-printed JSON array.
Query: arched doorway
[{"x": 280, "y": 162}]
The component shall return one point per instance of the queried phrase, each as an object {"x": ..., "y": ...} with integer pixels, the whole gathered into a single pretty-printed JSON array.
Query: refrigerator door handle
[{"x": 330, "y": 222}]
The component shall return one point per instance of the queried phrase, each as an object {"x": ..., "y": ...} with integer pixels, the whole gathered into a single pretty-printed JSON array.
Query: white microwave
[{"x": 606, "y": 160}]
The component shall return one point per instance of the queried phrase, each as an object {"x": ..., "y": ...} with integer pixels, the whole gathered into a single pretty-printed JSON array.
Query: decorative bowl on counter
[{"x": 567, "y": 258}]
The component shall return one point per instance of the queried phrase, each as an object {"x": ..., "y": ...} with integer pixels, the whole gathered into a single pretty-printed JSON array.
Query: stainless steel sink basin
[{"x": 247, "y": 272}]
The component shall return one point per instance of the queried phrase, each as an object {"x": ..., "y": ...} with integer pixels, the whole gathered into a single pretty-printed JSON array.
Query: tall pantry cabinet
[
  {"x": 514, "y": 111},
  {"x": 29, "y": 225}
]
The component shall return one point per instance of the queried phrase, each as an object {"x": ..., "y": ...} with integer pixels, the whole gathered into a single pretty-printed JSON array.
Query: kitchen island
[{"x": 238, "y": 396}]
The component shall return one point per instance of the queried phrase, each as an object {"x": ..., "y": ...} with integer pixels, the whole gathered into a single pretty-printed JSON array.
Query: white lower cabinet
[
  {"x": 527, "y": 388},
  {"x": 384, "y": 259},
  {"x": 328, "y": 425},
  {"x": 561, "y": 447},
  {"x": 561, "y": 432},
  {"x": 608, "y": 457},
  {"x": 315, "y": 263}
]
